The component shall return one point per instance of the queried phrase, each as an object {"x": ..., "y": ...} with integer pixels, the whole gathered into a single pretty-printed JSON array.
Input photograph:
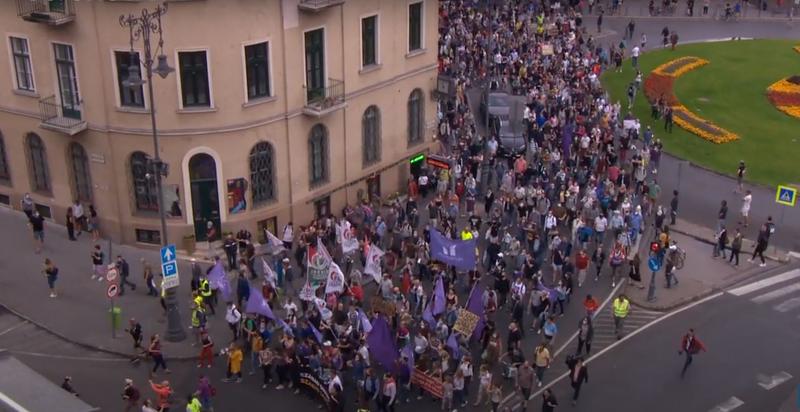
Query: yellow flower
[
  {"x": 680, "y": 66},
  {"x": 796, "y": 48},
  {"x": 784, "y": 86},
  {"x": 719, "y": 135},
  {"x": 793, "y": 111}
]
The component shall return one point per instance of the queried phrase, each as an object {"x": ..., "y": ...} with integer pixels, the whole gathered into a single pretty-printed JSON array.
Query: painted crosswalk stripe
[
  {"x": 775, "y": 294},
  {"x": 729, "y": 405},
  {"x": 761, "y": 284},
  {"x": 787, "y": 305},
  {"x": 769, "y": 382}
]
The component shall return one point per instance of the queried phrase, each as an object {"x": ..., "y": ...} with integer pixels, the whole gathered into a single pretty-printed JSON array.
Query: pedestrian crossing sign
[{"x": 786, "y": 195}]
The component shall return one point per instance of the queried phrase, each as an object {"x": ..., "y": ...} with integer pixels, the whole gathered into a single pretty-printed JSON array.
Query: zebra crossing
[{"x": 781, "y": 292}]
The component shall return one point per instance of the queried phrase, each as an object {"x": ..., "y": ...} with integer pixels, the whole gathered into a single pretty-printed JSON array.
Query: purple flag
[
  {"x": 317, "y": 333},
  {"x": 408, "y": 351},
  {"x": 452, "y": 343},
  {"x": 285, "y": 326},
  {"x": 438, "y": 297},
  {"x": 475, "y": 305},
  {"x": 552, "y": 294},
  {"x": 257, "y": 304},
  {"x": 458, "y": 253},
  {"x": 366, "y": 326},
  {"x": 381, "y": 343},
  {"x": 218, "y": 280}
]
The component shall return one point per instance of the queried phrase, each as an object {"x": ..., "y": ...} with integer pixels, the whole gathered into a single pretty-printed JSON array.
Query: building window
[
  {"x": 369, "y": 41},
  {"x": 322, "y": 207},
  {"x": 415, "y": 26},
  {"x": 257, "y": 64},
  {"x": 128, "y": 96},
  {"x": 67, "y": 81},
  {"x": 416, "y": 117},
  {"x": 5, "y": 174},
  {"x": 318, "y": 155},
  {"x": 262, "y": 173},
  {"x": 371, "y": 135},
  {"x": 37, "y": 157},
  {"x": 315, "y": 64},
  {"x": 22, "y": 64},
  {"x": 194, "y": 79},
  {"x": 80, "y": 172},
  {"x": 152, "y": 237},
  {"x": 144, "y": 185}
]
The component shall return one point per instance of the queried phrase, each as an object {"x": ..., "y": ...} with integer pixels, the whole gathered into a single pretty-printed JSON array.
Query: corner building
[{"x": 278, "y": 110}]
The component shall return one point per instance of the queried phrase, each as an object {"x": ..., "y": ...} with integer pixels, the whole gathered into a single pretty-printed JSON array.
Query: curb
[
  {"x": 708, "y": 242},
  {"x": 712, "y": 290},
  {"x": 79, "y": 343}
]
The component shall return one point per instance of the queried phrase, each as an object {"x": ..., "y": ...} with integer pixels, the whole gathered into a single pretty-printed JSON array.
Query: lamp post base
[{"x": 175, "y": 330}]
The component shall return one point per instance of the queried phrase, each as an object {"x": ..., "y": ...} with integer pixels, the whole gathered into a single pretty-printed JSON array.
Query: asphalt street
[{"x": 751, "y": 334}]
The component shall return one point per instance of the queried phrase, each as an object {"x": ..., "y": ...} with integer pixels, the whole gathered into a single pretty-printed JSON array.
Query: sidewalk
[
  {"x": 638, "y": 9},
  {"x": 80, "y": 313},
  {"x": 701, "y": 276}
]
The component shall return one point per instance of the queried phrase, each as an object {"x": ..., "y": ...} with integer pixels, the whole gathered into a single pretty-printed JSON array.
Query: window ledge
[
  {"x": 190, "y": 110},
  {"x": 259, "y": 100},
  {"x": 131, "y": 109},
  {"x": 26, "y": 93},
  {"x": 317, "y": 184},
  {"x": 370, "y": 68},
  {"x": 414, "y": 53}
]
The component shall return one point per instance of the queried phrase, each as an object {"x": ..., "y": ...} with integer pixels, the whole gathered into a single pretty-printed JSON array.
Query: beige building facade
[{"x": 277, "y": 111}]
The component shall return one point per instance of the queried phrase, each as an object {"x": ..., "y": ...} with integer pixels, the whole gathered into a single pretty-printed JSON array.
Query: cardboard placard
[
  {"x": 427, "y": 382},
  {"x": 466, "y": 322}
]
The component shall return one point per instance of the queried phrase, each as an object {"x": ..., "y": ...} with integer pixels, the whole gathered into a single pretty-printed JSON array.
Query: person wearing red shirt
[
  {"x": 590, "y": 304},
  {"x": 163, "y": 392},
  {"x": 581, "y": 264},
  {"x": 690, "y": 345}
]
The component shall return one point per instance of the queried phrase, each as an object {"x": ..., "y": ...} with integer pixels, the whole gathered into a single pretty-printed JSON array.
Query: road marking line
[
  {"x": 769, "y": 382},
  {"x": 787, "y": 305},
  {"x": 752, "y": 287},
  {"x": 12, "y": 403},
  {"x": 597, "y": 316},
  {"x": 13, "y": 327},
  {"x": 729, "y": 405},
  {"x": 775, "y": 294},
  {"x": 626, "y": 337},
  {"x": 67, "y": 357}
]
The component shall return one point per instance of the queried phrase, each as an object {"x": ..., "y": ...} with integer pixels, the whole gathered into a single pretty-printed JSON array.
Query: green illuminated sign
[{"x": 416, "y": 159}]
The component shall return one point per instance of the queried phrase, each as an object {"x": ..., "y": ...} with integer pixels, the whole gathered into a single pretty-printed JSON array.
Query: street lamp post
[{"x": 142, "y": 27}]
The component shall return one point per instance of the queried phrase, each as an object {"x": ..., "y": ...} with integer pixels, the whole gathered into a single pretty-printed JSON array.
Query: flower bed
[
  {"x": 679, "y": 66},
  {"x": 796, "y": 48},
  {"x": 701, "y": 127},
  {"x": 785, "y": 95},
  {"x": 660, "y": 83}
]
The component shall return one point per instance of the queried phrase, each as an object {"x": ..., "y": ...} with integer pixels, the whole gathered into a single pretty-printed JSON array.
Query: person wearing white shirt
[
  {"x": 635, "y": 57},
  {"x": 600, "y": 224},
  {"x": 288, "y": 236},
  {"x": 746, "y": 201}
]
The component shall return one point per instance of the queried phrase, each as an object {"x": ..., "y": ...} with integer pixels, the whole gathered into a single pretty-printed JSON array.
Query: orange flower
[{"x": 679, "y": 66}]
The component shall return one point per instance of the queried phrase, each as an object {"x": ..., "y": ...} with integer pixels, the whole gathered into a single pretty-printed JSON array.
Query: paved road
[{"x": 749, "y": 332}]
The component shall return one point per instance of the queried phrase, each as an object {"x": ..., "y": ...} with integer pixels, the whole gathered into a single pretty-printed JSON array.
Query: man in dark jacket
[
  {"x": 242, "y": 289},
  {"x": 124, "y": 271},
  {"x": 230, "y": 245},
  {"x": 578, "y": 375}
]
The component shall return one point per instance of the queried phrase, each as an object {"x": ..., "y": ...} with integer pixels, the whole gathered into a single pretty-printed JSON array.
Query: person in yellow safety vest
[
  {"x": 193, "y": 403},
  {"x": 466, "y": 234},
  {"x": 198, "y": 321},
  {"x": 207, "y": 294},
  {"x": 621, "y": 308}
]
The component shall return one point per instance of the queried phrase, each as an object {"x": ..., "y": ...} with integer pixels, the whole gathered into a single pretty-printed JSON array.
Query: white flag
[
  {"x": 269, "y": 274},
  {"x": 306, "y": 292},
  {"x": 323, "y": 308},
  {"x": 322, "y": 251},
  {"x": 347, "y": 238},
  {"x": 335, "y": 280},
  {"x": 373, "y": 266},
  {"x": 273, "y": 241}
]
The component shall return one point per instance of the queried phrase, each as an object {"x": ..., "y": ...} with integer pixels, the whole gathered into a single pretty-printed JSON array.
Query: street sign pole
[
  {"x": 113, "y": 326},
  {"x": 651, "y": 290}
]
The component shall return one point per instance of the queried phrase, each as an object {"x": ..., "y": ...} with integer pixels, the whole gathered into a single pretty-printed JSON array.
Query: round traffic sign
[
  {"x": 654, "y": 263},
  {"x": 112, "y": 290},
  {"x": 111, "y": 275}
]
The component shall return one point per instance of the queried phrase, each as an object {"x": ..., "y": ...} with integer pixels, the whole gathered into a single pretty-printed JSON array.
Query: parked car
[
  {"x": 511, "y": 143},
  {"x": 496, "y": 103}
]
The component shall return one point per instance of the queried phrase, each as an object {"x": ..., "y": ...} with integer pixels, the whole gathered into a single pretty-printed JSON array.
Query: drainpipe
[
  {"x": 286, "y": 116},
  {"x": 344, "y": 109}
]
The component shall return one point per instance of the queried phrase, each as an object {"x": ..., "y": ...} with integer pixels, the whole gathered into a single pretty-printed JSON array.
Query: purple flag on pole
[
  {"x": 438, "y": 297},
  {"x": 458, "y": 253},
  {"x": 381, "y": 343},
  {"x": 317, "y": 333},
  {"x": 366, "y": 326},
  {"x": 452, "y": 343},
  {"x": 218, "y": 280},
  {"x": 408, "y": 351},
  {"x": 257, "y": 304},
  {"x": 475, "y": 305},
  {"x": 552, "y": 294}
]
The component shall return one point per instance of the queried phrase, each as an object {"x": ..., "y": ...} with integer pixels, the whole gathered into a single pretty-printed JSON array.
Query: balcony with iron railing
[
  {"x": 316, "y": 6},
  {"x": 52, "y": 12},
  {"x": 323, "y": 100},
  {"x": 59, "y": 117}
]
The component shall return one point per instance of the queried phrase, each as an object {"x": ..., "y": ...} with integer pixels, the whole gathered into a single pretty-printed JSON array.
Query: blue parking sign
[
  {"x": 167, "y": 254},
  {"x": 170, "y": 269}
]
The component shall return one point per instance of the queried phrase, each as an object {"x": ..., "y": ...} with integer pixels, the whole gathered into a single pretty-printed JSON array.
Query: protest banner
[
  {"x": 427, "y": 382},
  {"x": 314, "y": 385},
  {"x": 466, "y": 322}
]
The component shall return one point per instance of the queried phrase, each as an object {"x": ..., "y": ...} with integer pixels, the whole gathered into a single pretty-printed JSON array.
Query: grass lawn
[{"x": 731, "y": 92}]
